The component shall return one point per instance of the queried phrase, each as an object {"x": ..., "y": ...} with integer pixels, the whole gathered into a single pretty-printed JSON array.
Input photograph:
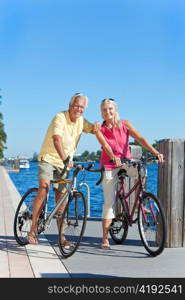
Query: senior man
[{"x": 59, "y": 143}]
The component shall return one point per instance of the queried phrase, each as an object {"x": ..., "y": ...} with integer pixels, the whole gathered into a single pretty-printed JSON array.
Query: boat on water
[{"x": 23, "y": 162}]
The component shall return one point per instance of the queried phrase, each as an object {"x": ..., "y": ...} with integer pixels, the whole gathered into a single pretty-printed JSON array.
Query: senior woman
[{"x": 114, "y": 137}]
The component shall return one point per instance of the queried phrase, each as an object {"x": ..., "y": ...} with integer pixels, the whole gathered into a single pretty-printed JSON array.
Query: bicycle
[
  {"x": 150, "y": 215},
  {"x": 73, "y": 218}
]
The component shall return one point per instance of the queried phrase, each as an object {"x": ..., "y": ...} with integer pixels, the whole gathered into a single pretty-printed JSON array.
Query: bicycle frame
[
  {"x": 70, "y": 189},
  {"x": 123, "y": 196}
]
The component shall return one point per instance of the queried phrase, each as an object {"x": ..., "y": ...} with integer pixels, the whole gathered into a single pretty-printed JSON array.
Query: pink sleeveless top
[{"x": 117, "y": 138}]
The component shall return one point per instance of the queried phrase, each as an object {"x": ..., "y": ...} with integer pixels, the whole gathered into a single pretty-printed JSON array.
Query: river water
[{"x": 27, "y": 178}]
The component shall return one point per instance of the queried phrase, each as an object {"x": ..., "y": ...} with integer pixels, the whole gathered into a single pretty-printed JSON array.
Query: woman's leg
[
  {"x": 105, "y": 227},
  {"x": 109, "y": 189}
]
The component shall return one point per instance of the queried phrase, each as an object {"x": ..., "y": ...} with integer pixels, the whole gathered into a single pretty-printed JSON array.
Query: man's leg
[
  {"x": 37, "y": 207},
  {"x": 58, "y": 196}
]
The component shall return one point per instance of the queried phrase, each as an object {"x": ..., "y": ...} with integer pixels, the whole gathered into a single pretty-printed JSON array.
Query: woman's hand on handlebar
[
  {"x": 160, "y": 157},
  {"x": 117, "y": 161}
]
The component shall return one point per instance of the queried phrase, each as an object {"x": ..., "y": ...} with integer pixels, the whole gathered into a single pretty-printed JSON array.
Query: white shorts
[{"x": 109, "y": 185}]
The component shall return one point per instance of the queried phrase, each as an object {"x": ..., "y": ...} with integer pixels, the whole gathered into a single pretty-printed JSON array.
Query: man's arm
[
  {"x": 89, "y": 127},
  {"x": 57, "y": 141}
]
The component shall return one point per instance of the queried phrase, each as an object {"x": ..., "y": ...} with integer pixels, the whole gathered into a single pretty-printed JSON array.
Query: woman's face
[{"x": 108, "y": 111}]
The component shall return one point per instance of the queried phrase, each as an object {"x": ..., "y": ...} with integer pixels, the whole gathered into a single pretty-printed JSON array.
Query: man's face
[{"x": 77, "y": 108}]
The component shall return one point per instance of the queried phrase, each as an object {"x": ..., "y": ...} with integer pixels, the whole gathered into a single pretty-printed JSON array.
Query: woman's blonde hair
[{"x": 117, "y": 117}]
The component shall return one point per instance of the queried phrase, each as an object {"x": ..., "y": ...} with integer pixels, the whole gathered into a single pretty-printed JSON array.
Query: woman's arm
[{"x": 142, "y": 141}]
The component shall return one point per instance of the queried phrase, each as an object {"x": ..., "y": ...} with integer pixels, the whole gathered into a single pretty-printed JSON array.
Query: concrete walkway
[
  {"x": 16, "y": 261},
  {"x": 127, "y": 261}
]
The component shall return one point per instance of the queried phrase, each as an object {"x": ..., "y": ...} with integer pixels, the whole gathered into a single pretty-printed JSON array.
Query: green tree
[
  {"x": 98, "y": 154},
  {"x": 3, "y": 135},
  {"x": 156, "y": 144},
  {"x": 85, "y": 155},
  {"x": 92, "y": 156},
  {"x": 35, "y": 157}
]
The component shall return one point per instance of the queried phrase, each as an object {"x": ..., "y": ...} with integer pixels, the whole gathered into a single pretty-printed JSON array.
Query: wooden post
[{"x": 171, "y": 189}]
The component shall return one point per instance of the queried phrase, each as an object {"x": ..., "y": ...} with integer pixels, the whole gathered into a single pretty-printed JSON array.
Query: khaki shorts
[{"x": 50, "y": 172}]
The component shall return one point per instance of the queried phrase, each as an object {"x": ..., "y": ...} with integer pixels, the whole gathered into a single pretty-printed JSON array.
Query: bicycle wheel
[
  {"x": 72, "y": 224},
  {"x": 23, "y": 217},
  {"x": 119, "y": 226},
  {"x": 151, "y": 224}
]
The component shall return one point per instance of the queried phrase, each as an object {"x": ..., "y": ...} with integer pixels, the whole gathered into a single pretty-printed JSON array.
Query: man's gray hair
[{"x": 76, "y": 95}]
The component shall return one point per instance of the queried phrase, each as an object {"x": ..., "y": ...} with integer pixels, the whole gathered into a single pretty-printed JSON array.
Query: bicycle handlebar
[
  {"x": 89, "y": 169},
  {"x": 134, "y": 161},
  {"x": 102, "y": 170}
]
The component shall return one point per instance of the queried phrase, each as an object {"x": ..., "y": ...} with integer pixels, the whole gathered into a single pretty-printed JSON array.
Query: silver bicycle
[{"x": 73, "y": 218}]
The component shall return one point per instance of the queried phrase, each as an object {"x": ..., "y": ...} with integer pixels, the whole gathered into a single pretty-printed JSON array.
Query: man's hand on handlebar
[{"x": 68, "y": 163}]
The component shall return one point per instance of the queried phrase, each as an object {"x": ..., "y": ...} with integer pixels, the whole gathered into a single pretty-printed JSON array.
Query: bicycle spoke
[
  {"x": 23, "y": 217},
  {"x": 119, "y": 226},
  {"x": 151, "y": 224},
  {"x": 72, "y": 225}
]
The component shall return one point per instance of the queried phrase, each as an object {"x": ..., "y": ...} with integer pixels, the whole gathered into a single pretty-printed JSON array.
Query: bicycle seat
[{"x": 122, "y": 173}]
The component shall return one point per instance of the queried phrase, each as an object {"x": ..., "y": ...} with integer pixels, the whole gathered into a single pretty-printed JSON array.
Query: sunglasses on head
[{"x": 111, "y": 99}]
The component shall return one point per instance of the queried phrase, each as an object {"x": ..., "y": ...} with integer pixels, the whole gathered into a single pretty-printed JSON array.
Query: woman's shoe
[{"x": 32, "y": 238}]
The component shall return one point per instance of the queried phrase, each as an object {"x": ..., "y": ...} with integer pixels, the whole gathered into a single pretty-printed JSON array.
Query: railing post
[{"x": 171, "y": 189}]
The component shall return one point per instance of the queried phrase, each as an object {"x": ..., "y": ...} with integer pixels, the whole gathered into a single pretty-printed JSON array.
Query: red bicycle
[{"x": 146, "y": 210}]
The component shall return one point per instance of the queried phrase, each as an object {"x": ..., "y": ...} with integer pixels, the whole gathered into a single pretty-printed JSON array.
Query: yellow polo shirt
[{"x": 70, "y": 133}]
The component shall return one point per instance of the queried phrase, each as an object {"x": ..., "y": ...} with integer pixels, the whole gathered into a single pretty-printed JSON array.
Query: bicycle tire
[
  {"x": 23, "y": 217},
  {"x": 73, "y": 224},
  {"x": 119, "y": 226},
  {"x": 152, "y": 227}
]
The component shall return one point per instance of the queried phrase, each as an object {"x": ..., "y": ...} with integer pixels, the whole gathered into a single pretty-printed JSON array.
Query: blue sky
[{"x": 130, "y": 50}]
